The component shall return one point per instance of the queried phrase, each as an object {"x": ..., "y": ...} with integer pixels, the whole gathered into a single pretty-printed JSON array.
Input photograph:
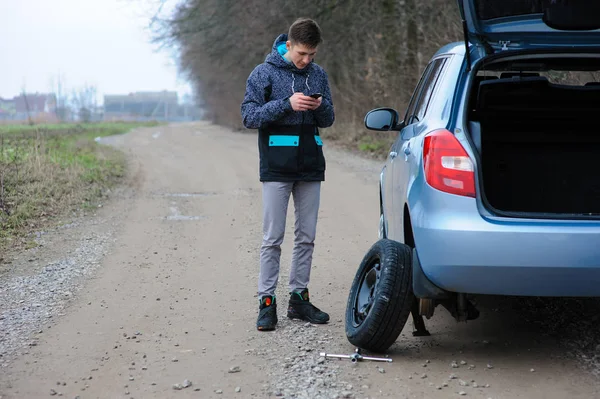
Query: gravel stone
[
  {"x": 29, "y": 301},
  {"x": 295, "y": 368}
]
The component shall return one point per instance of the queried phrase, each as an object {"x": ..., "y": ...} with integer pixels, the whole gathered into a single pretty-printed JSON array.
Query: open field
[{"x": 47, "y": 171}]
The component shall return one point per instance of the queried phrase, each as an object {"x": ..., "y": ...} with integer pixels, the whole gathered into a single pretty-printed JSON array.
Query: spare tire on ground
[{"x": 381, "y": 296}]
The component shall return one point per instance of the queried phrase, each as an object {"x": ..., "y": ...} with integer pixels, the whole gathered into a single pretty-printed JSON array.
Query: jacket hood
[{"x": 275, "y": 57}]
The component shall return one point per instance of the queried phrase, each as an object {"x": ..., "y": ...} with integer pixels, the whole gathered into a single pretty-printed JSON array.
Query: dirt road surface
[{"x": 172, "y": 297}]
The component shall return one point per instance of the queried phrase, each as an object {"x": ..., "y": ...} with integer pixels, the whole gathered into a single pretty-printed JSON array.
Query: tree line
[{"x": 373, "y": 51}]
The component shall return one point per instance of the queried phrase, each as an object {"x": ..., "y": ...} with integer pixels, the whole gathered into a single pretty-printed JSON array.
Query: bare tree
[
  {"x": 26, "y": 102},
  {"x": 84, "y": 100},
  {"x": 59, "y": 88},
  {"x": 374, "y": 50}
]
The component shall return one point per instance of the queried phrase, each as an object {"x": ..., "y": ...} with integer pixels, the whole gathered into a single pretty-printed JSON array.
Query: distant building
[
  {"x": 36, "y": 106},
  {"x": 162, "y": 105},
  {"x": 35, "y": 103},
  {"x": 7, "y": 109},
  {"x": 138, "y": 106}
]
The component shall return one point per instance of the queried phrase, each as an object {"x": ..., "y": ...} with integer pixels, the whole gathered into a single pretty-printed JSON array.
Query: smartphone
[{"x": 316, "y": 95}]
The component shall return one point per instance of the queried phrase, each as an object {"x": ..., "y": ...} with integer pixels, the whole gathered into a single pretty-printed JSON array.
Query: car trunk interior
[{"x": 538, "y": 136}]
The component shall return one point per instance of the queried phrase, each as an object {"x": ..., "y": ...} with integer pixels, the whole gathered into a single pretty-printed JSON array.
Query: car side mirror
[{"x": 383, "y": 119}]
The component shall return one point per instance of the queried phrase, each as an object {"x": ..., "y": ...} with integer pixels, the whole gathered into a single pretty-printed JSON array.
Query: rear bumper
[{"x": 461, "y": 251}]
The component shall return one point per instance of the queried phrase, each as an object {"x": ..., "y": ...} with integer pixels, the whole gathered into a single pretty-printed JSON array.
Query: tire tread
[{"x": 387, "y": 318}]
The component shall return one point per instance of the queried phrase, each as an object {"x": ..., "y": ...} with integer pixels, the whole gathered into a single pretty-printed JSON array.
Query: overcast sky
[{"x": 99, "y": 42}]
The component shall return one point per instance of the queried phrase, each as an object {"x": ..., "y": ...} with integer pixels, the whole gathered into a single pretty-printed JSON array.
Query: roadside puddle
[
  {"x": 185, "y": 195},
  {"x": 177, "y": 216}
]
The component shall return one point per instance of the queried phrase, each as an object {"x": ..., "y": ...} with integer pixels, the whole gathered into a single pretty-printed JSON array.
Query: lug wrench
[{"x": 356, "y": 357}]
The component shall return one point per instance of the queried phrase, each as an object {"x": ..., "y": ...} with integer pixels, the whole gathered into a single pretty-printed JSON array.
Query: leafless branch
[{"x": 374, "y": 50}]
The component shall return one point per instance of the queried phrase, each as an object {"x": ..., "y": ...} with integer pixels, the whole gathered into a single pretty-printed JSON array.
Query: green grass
[
  {"x": 375, "y": 146},
  {"x": 102, "y": 128},
  {"x": 371, "y": 147},
  {"x": 49, "y": 171}
]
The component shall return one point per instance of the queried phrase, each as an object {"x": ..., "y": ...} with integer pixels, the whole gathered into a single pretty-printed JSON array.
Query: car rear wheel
[{"x": 381, "y": 296}]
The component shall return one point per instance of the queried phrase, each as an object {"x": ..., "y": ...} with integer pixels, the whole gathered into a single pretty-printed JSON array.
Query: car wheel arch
[
  {"x": 409, "y": 238},
  {"x": 382, "y": 222},
  {"x": 380, "y": 199}
]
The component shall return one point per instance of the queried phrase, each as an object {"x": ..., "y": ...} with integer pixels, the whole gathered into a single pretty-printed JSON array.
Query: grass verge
[
  {"x": 375, "y": 145},
  {"x": 49, "y": 171}
]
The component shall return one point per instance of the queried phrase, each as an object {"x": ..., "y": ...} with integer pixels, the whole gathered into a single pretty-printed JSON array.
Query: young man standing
[{"x": 288, "y": 99}]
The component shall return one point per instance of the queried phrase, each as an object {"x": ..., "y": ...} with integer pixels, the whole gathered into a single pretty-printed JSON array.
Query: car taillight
[{"x": 448, "y": 167}]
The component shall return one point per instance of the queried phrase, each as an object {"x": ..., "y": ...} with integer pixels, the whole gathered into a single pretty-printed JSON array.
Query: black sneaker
[
  {"x": 267, "y": 314},
  {"x": 301, "y": 308}
]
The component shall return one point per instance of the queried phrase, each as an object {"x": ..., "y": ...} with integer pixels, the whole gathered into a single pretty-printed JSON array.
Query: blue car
[{"x": 493, "y": 183}]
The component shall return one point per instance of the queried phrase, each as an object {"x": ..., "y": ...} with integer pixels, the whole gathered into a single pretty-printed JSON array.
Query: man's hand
[
  {"x": 317, "y": 103},
  {"x": 300, "y": 102}
]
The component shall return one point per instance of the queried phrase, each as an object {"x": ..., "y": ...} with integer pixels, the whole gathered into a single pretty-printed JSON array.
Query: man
[{"x": 278, "y": 103}]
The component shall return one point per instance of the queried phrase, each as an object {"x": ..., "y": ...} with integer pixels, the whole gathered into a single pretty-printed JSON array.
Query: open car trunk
[{"x": 539, "y": 142}]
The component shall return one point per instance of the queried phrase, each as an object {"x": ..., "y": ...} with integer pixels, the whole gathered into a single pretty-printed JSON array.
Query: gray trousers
[{"x": 276, "y": 196}]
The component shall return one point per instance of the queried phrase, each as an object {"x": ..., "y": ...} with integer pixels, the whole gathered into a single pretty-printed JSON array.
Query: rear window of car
[
  {"x": 490, "y": 9},
  {"x": 570, "y": 78}
]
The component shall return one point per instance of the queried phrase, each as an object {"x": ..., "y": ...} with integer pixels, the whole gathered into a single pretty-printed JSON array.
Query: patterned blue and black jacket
[{"x": 289, "y": 143}]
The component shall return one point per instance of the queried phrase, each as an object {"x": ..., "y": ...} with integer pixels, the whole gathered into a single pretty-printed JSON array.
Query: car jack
[
  {"x": 418, "y": 322},
  {"x": 356, "y": 357}
]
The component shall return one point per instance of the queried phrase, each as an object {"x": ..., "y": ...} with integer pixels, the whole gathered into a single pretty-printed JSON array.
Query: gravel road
[{"x": 155, "y": 297}]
